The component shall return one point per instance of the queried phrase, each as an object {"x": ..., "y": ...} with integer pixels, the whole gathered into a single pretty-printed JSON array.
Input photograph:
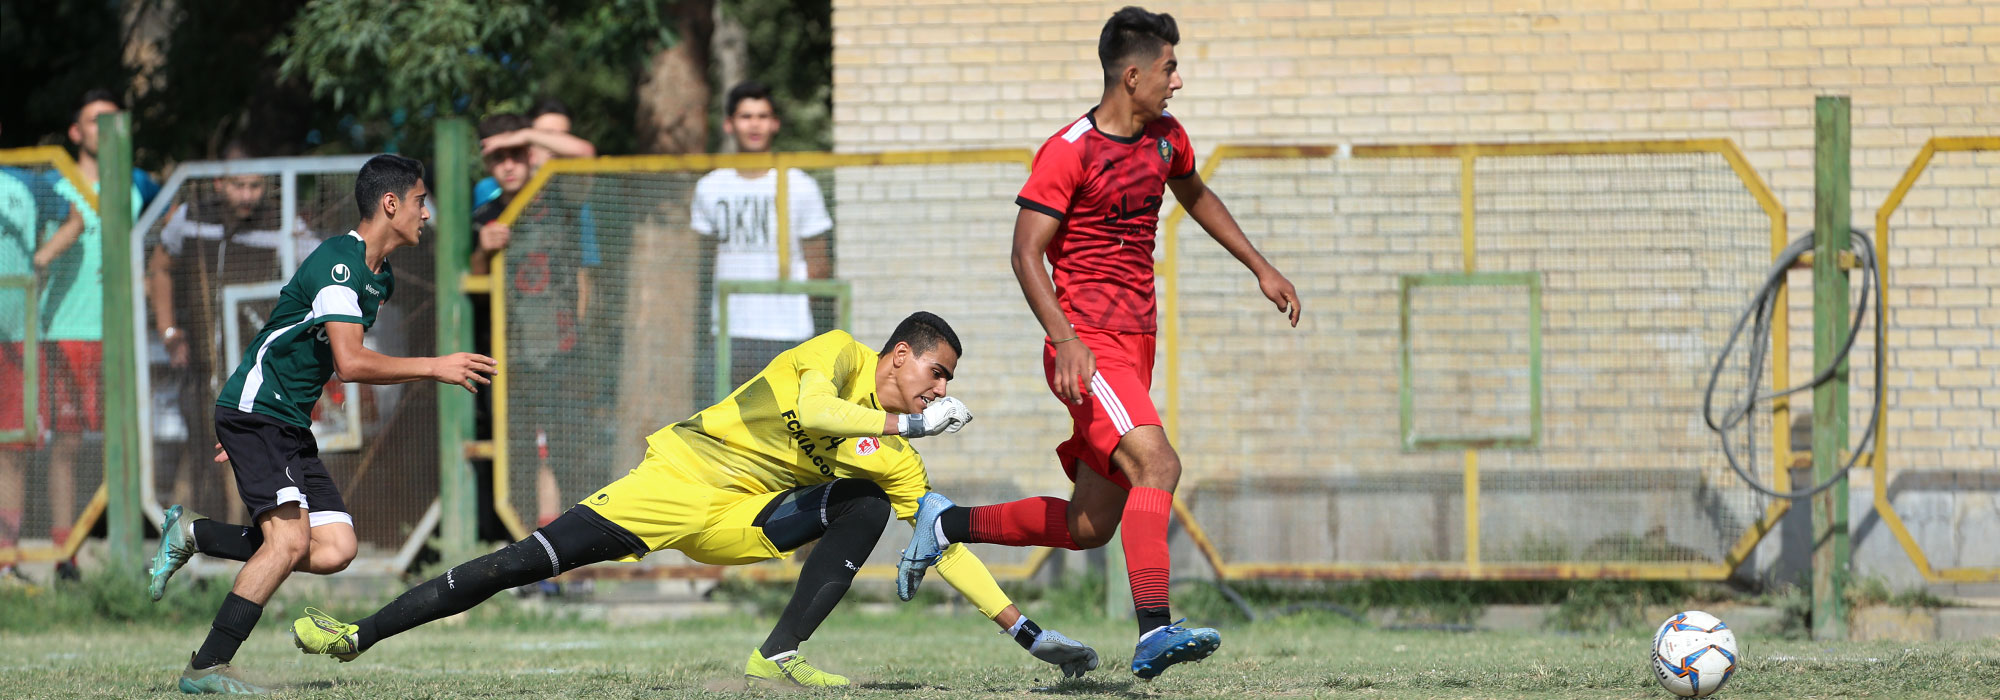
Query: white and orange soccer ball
[{"x": 1694, "y": 654}]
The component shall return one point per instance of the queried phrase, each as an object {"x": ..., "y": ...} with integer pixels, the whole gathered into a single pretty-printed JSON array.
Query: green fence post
[
  {"x": 458, "y": 505},
  {"x": 120, "y": 363},
  {"x": 1831, "y": 237}
]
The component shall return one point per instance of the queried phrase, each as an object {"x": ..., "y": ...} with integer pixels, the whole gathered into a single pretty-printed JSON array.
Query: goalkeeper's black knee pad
[
  {"x": 803, "y": 514},
  {"x": 861, "y": 499}
]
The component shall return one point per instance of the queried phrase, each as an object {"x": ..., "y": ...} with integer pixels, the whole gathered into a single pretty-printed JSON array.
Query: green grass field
[{"x": 916, "y": 653}]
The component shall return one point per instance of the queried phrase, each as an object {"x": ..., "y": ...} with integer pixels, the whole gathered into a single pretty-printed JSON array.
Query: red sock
[
  {"x": 1147, "y": 560},
  {"x": 1041, "y": 521},
  {"x": 60, "y": 535}
]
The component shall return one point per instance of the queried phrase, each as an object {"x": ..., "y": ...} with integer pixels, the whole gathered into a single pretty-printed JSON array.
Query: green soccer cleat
[
  {"x": 319, "y": 633},
  {"x": 791, "y": 669},
  {"x": 175, "y": 549},
  {"x": 221, "y": 679}
]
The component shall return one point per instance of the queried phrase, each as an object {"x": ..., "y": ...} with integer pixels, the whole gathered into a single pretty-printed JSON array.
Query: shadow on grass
[
  {"x": 1091, "y": 686},
  {"x": 1082, "y": 686}
]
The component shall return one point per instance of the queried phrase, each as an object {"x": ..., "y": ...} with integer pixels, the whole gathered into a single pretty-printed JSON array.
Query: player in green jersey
[{"x": 263, "y": 421}]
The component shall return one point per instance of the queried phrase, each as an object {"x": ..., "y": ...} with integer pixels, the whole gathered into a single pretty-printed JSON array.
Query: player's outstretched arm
[
  {"x": 1207, "y": 209},
  {"x": 1075, "y": 364},
  {"x": 963, "y": 570},
  {"x": 356, "y": 363}
]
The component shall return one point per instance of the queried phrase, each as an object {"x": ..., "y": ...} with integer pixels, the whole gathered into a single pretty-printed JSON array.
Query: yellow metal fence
[
  {"x": 1557, "y": 212},
  {"x": 1977, "y": 190},
  {"x": 1291, "y": 438},
  {"x": 37, "y": 486}
]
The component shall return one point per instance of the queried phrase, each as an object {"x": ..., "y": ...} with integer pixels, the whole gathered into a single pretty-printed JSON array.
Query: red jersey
[{"x": 1106, "y": 190}]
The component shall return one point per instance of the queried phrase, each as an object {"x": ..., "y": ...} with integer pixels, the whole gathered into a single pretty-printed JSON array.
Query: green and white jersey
[{"x": 285, "y": 368}]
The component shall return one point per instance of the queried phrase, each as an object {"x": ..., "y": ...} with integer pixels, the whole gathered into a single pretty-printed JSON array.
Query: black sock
[
  {"x": 458, "y": 590},
  {"x": 232, "y": 625},
  {"x": 1153, "y": 618},
  {"x": 956, "y": 523},
  {"x": 855, "y": 517},
  {"x": 226, "y": 541},
  {"x": 567, "y": 543}
]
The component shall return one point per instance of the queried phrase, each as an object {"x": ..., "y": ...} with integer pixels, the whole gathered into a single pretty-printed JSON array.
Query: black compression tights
[
  {"x": 568, "y": 543},
  {"x": 855, "y": 512}
]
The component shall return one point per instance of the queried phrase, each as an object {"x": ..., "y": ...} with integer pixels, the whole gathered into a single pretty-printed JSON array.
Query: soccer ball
[{"x": 1694, "y": 654}]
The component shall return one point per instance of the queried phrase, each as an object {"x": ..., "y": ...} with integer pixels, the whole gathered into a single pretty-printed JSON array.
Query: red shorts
[
  {"x": 71, "y": 390},
  {"x": 12, "y": 413},
  {"x": 1120, "y": 399}
]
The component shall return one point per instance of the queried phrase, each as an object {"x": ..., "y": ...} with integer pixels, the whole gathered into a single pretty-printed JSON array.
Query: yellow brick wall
[
  {"x": 918, "y": 74},
  {"x": 926, "y": 75}
]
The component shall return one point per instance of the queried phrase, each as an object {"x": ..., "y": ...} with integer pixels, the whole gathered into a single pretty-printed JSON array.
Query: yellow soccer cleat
[
  {"x": 319, "y": 633},
  {"x": 790, "y": 668}
]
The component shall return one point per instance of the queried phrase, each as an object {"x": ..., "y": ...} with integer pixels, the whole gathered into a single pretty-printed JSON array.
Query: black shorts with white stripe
[{"x": 277, "y": 463}]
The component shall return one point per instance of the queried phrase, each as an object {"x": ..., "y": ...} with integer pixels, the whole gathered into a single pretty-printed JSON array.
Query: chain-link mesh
[
  {"x": 937, "y": 238},
  {"x": 1944, "y": 371},
  {"x": 643, "y": 255},
  {"x": 1471, "y": 361},
  {"x": 1291, "y": 438},
  {"x": 216, "y": 258},
  {"x": 50, "y": 393},
  {"x": 1648, "y": 260},
  {"x": 600, "y": 293}
]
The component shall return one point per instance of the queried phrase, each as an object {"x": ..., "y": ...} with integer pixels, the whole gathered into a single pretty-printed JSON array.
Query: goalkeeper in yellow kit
[{"x": 814, "y": 448}]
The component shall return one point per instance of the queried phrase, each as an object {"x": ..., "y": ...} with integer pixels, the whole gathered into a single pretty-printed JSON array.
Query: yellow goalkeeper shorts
[{"x": 710, "y": 525}]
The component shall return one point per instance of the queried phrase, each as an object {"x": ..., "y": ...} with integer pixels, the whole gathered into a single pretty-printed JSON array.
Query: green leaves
[
  {"x": 404, "y": 64},
  {"x": 377, "y": 56}
]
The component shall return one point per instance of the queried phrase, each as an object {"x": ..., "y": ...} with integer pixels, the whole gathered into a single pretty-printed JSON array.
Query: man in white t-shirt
[{"x": 738, "y": 210}]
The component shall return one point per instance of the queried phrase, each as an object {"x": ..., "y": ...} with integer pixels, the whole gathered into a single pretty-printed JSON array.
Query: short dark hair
[
  {"x": 240, "y": 146},
  {"x": 496, "y": 124},
  {"x": 96, "y": 95},
  {"x": 386, "y": 173},
  {"x": 923, "y": 330},
  {"x": 1133, "y": 31},
  {"x": 548, "y": 105},
  {"x": 748, "y": 90}
]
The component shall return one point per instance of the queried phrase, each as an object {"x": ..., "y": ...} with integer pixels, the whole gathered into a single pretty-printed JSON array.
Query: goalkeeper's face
[{"x": 915, "y": 380}]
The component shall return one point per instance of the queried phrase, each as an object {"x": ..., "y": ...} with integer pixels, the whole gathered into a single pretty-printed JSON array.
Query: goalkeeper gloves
[
  {"x": 1073, "y": 657},
  {"x": 945, "y": 415}
]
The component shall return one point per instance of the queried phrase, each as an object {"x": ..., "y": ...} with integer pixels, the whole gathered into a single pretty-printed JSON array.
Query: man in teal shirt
[
  {"x": 69, "y": 264},
  {"x": 20, "y": 219}
]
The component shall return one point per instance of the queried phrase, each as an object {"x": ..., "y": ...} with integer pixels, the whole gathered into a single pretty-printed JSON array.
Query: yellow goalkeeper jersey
[{"x": 810, "y": 417}]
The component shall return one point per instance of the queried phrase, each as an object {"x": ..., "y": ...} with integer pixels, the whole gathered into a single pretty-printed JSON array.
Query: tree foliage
[
  {"x": 791, "y": 50},
  {"x": 393, "y": 67},
  {"x": 215, "y": 84},
  {"x": 338, "y": 76},
  {"x": 50, "y": 54}
]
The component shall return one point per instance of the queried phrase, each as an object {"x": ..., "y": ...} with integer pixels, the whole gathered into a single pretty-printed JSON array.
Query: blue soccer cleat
[
  {"x": 1171, "y": 645},
  {"x": 923, "y": 550},
  {"x": 175, "y": 549}
]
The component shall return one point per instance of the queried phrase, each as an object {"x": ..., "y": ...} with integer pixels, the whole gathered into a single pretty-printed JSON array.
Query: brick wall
[{"x": 929, "y": 75}]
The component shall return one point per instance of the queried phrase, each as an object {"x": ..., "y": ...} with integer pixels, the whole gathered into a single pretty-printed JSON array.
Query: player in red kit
[{"x": 1092, "y": 206}]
